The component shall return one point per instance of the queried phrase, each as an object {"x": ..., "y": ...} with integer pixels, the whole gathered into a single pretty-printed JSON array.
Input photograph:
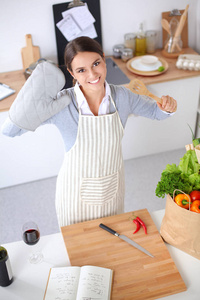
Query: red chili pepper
[
  {"x": 137, "y": 225},
  {"x": 142, "y": 223}
]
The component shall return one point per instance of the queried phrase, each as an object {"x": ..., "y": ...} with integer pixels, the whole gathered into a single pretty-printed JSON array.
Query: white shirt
[{"x": 83, "y": 105}]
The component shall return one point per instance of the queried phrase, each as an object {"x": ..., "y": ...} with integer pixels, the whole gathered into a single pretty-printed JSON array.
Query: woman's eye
[
  {"x": 81, "y": 71},
  {"x": 96, "y": 63}
]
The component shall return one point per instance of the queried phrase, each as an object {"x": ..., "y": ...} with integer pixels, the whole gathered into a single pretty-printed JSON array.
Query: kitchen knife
[{"x": 125, "y": 238}]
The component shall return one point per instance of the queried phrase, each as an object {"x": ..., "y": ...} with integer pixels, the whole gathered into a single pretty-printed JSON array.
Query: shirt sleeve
[
  {"x": 10, "y": 129},
  {"x": 129, "y": 103}
]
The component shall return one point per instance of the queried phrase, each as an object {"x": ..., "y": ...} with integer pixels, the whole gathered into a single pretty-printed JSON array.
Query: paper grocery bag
[{"x": 181, "y": 228}]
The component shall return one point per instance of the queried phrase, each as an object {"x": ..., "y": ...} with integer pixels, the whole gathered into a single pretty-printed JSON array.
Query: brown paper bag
[{"x": 181, "y": 228}]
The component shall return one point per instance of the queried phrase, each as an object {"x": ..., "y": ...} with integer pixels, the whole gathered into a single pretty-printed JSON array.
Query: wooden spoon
[
  {"x": 165, "y": 25},
  {"x": 138, "y": 87}
]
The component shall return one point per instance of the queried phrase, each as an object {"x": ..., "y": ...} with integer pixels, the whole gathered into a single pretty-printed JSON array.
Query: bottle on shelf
[
  {"x": 6, "y": 277},
  {"x": 140, "y": 45}
]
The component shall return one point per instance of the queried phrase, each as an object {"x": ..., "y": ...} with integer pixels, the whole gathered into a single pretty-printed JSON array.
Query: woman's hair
[{"x": 81, "y": 44}]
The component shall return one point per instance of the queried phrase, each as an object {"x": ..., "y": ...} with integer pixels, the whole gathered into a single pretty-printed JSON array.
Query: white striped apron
[{"x": 90, "y": 183}]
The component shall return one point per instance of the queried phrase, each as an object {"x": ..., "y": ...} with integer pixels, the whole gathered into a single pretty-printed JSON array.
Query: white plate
[{"x": 138, "y": 65}]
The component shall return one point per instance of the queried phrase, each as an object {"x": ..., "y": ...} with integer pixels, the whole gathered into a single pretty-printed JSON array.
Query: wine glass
[{"x": 31, "y": 236}]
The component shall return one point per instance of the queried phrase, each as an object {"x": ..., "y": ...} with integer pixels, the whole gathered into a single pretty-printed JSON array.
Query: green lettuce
[
  {"x": 189, "y": 163},
  {"x": 185, "y": 176}
]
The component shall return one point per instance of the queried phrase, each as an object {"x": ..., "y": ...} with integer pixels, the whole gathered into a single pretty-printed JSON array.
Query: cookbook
[{"x": 79, "y": 283}]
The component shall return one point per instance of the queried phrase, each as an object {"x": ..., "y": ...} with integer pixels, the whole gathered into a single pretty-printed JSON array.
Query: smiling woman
[
  {"x": 85, "y": 61},
  {"x": 90, "y": 183}
]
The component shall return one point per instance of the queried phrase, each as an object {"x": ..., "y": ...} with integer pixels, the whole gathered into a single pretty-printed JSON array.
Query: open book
[{"x": 79, "y": 283}]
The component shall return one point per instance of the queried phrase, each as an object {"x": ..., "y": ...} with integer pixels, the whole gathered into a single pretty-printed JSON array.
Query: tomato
[{"x": 195, "y": 195}]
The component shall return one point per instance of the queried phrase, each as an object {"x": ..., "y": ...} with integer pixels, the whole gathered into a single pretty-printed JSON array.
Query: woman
[{"x": 90, "y": 183}]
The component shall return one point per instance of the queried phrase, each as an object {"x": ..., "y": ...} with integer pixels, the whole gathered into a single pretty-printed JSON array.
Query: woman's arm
[{"x": 129, "y": 103}]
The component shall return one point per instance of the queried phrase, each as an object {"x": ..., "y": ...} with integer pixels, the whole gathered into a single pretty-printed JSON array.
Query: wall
[{"x": 118, "y": 17}]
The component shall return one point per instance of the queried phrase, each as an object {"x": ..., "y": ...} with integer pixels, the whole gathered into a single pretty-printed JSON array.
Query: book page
[
  {"x": 63, "y": 283},
  {"x": 94, "y": 283},
  {"x": 69, "y": 27},
  {"x": 82, "y": 16}
]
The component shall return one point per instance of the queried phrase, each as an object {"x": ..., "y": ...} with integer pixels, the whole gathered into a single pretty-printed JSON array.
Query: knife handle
[{"x": 108, "y": 229}]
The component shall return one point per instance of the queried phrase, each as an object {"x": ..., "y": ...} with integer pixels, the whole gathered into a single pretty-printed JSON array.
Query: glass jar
[
  {"x": 151, "y": 41},
  {"x": 117, "y": 50},
  {"x": 129, "y": 41},
  {"x": 127, "y": 54}
]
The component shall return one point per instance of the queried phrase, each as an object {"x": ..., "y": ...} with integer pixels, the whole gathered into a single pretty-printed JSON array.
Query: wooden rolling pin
[{"x": 180, "y": 27}]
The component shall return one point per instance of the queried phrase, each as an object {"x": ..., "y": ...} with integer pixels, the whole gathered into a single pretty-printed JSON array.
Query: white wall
[{"x": 19, "y": 17}]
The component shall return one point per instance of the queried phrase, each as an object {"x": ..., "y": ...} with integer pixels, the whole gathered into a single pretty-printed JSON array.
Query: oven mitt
[{"x": 40, "y": 97}]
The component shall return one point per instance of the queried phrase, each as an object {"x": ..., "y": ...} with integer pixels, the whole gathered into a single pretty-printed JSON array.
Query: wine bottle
[{"x": 6, "y": 277}]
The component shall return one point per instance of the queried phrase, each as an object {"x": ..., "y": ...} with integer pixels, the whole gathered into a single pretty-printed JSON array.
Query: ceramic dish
[
  {"x": 138, "y": 64},
  {"x": 162, "y": 62}
]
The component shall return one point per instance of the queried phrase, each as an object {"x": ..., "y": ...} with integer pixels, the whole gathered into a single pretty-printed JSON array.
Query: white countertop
[{"x": 30, "y": 280}]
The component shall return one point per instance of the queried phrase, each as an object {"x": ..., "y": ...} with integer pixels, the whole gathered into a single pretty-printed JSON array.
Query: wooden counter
[
  {"x": 16, "y": 79},
  {"x": 173, "y": 73}
]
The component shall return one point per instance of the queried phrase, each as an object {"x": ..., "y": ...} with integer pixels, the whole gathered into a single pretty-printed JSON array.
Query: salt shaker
[{"x": 6, "y": 277}]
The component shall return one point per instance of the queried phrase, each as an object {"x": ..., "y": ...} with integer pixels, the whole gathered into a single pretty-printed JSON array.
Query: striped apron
[{"x": 90, "y": 183}]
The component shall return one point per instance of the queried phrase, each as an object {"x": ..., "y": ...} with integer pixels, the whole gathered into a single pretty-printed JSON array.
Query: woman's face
[{"x": 89, "y": 68}]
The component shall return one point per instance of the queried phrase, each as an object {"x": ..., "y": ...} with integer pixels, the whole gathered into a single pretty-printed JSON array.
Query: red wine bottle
[
  {"x": 31, "y": 236},
  {"x": 6, "y": 277}
]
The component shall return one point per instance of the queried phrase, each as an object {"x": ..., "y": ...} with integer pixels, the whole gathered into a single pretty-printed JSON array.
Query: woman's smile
[{"x": 95, "y": 81}]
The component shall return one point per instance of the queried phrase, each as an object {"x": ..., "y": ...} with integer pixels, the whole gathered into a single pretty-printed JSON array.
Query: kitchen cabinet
[{"x": 39, "y": 155}]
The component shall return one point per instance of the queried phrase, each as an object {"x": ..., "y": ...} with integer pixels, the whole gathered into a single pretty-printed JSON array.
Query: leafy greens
[{"x": 185, "y": 176}]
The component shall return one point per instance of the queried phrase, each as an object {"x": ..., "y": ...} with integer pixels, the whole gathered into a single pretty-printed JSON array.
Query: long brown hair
[{"x": 81, "y": 44}]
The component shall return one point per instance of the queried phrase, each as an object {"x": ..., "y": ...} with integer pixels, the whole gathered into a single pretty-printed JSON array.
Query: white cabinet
[
  {"x": 39, "y": 155},
  {"x": 143, "y": 136}
]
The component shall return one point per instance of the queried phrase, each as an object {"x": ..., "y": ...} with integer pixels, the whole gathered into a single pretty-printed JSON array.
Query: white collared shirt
[{"x": 83, "y": 105}]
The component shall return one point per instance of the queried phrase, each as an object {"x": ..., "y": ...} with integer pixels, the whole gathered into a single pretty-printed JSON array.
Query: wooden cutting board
[
  {"x": 136, "y": 275},
  {"x": 30, "y": 53}
]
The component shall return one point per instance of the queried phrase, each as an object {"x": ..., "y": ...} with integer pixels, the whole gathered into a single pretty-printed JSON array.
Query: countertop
[
  {"x": 30, "y": 280},
  {"x": 16, "y": 79}
]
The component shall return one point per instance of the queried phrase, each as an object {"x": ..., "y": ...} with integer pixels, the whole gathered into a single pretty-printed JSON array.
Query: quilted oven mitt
[{"x": 40, "y": 97}]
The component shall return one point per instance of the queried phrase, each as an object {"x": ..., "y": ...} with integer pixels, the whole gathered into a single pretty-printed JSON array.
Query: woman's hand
[{"x": 169, "y": 104}]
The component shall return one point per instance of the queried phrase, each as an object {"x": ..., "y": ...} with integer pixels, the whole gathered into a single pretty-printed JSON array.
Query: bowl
[{"x": 149, "y": 60}]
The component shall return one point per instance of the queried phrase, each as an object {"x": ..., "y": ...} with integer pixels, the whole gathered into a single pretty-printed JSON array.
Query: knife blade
[{"x": 126, "y": 239}]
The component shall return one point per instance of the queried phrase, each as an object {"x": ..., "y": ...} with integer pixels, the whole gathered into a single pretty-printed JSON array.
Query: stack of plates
[{"x": 146, "y": 65}]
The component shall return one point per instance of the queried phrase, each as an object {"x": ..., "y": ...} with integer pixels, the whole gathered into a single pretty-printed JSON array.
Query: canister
[
  {"x": 151, "y": 36},
  {"x": 127, "y": 54},
  {"x": 129, "y": 41},
  {"x": 117, "y": 50}
]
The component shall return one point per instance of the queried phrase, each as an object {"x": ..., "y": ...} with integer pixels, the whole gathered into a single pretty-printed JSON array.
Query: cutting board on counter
[
  {"x": 136, "y": 275},
  {"x": 30, "y": 53}
]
